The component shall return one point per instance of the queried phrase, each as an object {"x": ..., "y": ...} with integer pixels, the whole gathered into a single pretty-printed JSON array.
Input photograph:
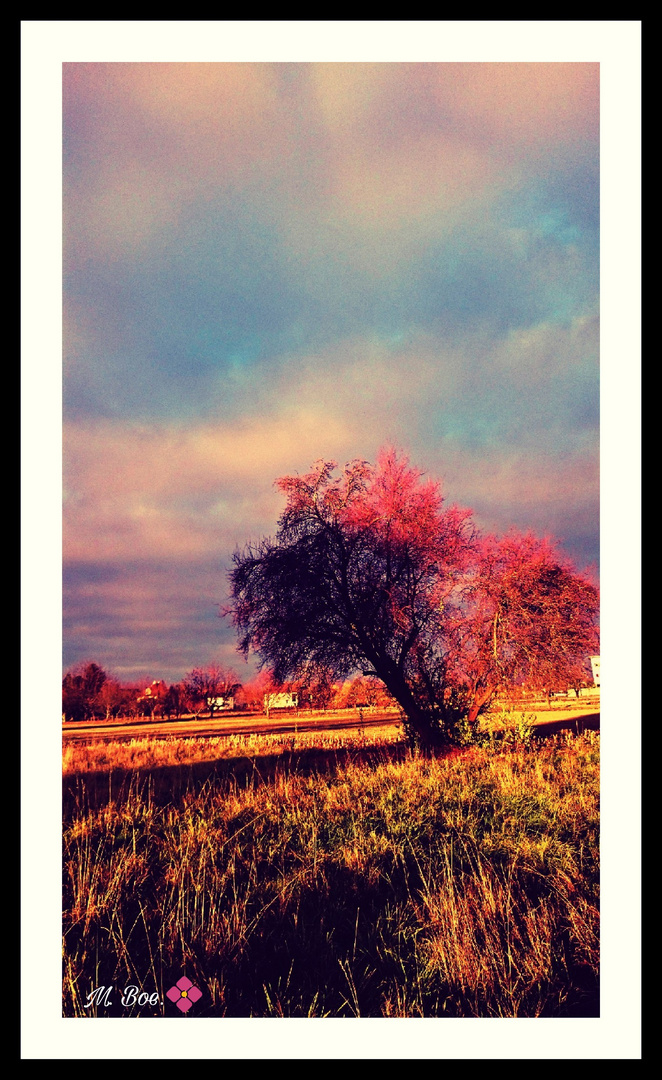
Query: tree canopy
[
  {"x": 81, "y": 691},
  {"x": 531, "y": 618},
  {"x": 371, "y": 570}
]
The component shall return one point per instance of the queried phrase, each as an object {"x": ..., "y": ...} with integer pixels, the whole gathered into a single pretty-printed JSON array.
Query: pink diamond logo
[{"x": 184, "y": 994}]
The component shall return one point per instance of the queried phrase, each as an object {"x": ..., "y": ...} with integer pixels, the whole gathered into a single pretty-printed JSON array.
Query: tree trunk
[
  {"x": 480, "y": 698},
  {"x": 419, "y": 719}
]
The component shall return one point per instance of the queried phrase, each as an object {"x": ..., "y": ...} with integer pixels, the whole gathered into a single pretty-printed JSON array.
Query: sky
[{"x": 267, "y": 263}]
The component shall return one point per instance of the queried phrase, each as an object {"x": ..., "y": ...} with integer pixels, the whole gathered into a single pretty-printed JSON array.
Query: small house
[{"x": 281, "y": 700}]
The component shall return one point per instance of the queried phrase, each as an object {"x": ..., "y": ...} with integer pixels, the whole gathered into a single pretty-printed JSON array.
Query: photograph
[{"x": 333, "y": 454}]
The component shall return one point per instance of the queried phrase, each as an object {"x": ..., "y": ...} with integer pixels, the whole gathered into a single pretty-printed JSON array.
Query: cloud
[
  {"x": 169, "y": 492},
  {"x": 378, "y": 146},
  {"x": 147, "y": 619},
  {"x": 533, "y": 106}
]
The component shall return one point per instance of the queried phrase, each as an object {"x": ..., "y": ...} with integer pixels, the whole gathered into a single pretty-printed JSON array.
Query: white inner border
[{"x": 616, "y": 45}]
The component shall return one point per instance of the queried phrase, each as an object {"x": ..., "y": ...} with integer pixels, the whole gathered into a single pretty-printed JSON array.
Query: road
[
  {"x": 234, "y": 724},
  {"x": 548, "y": 722}
]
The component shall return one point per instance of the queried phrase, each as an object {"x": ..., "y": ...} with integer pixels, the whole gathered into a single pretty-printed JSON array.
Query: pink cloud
[
  {"x": 382, "y": 144},
  {"x": 527, "y": 105},
  {"x": 523, "y": 488},
  {"x": 162, "y": 491}
]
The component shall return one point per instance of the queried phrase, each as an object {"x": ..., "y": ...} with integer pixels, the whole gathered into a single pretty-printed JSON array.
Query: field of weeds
[{"x": 349, "y": 879}]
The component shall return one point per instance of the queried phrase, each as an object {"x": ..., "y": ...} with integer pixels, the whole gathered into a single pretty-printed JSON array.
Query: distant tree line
[{"x": 91, "y": 693}]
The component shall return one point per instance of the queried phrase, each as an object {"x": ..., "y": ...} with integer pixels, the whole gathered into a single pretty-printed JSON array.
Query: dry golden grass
[
  {"x": 382, "y": 883},
  {"x": 146, "y": 753}
]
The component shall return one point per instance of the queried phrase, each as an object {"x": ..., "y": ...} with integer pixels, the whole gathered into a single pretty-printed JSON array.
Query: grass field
[{"x": 343, "y": 876}]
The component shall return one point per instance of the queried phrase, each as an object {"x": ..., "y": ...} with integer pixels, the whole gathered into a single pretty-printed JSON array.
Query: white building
[
  {"x": 226, "y": 702},
  {"x": 595, "y": 667},
  {"x": 281, "y": 700}
]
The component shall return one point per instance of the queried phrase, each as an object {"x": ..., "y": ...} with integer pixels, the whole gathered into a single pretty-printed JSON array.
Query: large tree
[
  {"x": 370, "y": 571},
  {"x": 363, "y": 574}
]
